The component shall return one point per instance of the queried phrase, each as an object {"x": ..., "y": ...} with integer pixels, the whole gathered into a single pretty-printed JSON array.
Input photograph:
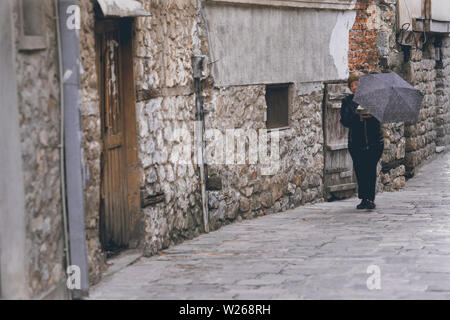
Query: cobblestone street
[{"x": 319, "y": 251}]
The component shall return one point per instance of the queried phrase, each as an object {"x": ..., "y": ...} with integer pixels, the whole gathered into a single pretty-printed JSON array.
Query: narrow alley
[
  {"x": 213, "y": 149},
  {"x": 326, "y": 250}
]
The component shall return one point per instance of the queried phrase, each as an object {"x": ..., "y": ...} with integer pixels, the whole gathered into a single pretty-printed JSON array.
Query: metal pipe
[
  {"x": 61, "y": 146},
  {"x": 69, "y": 15},
  {"x": 197, "y": 65}
]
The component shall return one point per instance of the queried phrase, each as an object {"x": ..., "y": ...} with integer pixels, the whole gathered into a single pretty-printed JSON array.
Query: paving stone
[{"x": 320, "y": 251}]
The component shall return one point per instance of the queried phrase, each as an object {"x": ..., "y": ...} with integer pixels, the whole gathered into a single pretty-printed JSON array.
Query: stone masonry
[
  {"x": 322, "y": 251},
  {"x": 91, "y": 141},
  {"x": 443, "y": 94},
  {"x": 39, "y": 110},
  {"x": 406, "y": 146},
  {"x": 164, "y": 44}
]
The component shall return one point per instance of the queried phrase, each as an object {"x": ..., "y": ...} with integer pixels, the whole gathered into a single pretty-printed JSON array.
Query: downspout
[
  {"x": 197, "y": 66},
  {"x": 69, "y": 21},
  {"x": 61, "y": 156}
]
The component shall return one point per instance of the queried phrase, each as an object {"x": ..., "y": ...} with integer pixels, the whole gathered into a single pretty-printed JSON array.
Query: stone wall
[
  {"x": 373, "y": 49},
  {"x": 421, "y": 136},
  {"x": 39, "y": 109},
  {"x": 91, "y": 141},
  {"x": 243, "y": 190},
  {"x": 164, "y": 45},
  {"x": 246, "y": 192},
  {"x": 392, "y": 174},
  {"x": 406, "y": 146},
  {"x": 443, "y": 95},
  {"x": 410, "y": 145},
  {"x": 166, "y": 103}
]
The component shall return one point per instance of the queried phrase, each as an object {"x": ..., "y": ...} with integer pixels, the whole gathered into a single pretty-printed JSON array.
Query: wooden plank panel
[
  {"x": 130, "y": 134},
  {"x": 342, "y": 187},
  {"x": 338, "y": 171},
  {"x": 337, "y": 146},
  {"x": 120, "y": 169},
  {"x": 335, "y": 170},
  {"x": 113, "y": 174},
  {"x": 346, "y": 174}
]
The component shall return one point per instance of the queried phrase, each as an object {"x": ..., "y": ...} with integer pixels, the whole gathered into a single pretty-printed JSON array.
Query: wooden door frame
[
  {"x": 128, "y": 100},
  {"x": 326, "y": 193}
]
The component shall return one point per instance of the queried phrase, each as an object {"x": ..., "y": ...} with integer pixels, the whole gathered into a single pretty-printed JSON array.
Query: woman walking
[{"x": 365, "y": 144}]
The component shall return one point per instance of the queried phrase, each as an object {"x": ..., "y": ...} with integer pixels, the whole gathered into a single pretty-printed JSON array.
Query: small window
[
  {"x": 277, "y": 100},
  {"x": 31, "y": 25}
]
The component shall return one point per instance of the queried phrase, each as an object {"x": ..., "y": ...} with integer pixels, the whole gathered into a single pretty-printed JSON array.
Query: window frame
[
  {"x": 289, "y": 86},
  {"x": 27, "y": 42}
]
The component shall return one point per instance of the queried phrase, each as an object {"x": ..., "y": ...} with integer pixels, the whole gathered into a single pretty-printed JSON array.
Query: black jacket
[{"x": 363, "y": 133}]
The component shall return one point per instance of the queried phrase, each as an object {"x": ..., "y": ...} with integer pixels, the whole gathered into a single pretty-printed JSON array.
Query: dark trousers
[{"x": 365, "y": 166}]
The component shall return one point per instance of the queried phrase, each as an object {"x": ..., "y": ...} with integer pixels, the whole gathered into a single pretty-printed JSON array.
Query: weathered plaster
[{"x": 339, "y": 43}]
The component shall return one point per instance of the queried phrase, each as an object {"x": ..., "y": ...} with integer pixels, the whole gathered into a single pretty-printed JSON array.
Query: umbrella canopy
[{"x": 389, "y": 98}]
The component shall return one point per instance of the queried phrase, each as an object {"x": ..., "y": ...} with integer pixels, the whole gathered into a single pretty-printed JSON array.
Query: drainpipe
[
  {"x": 68, "y": 38},
  {"x": 197, "y": 66},
  {"x": 61, "y": 146}
]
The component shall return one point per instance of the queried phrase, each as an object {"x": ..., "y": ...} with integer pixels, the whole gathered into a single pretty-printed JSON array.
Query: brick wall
[
  {"x": 363, "y": 54},
  {"x": 373, "y": 47}
]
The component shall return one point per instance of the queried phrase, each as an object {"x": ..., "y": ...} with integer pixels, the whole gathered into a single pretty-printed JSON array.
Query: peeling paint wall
[{"x": 339, "y": 43}]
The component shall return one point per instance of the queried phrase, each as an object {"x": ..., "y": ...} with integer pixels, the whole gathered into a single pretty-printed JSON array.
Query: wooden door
[
  {"x": 339, "y": 179},
  {"x": 119, "y": 207}
]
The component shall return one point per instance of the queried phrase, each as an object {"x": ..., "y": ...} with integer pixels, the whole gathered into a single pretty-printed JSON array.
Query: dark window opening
[{"x": 277, "y": 100}]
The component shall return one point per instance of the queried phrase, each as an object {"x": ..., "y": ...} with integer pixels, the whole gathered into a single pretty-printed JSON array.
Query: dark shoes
[
  {"x": 362, "y": 205},
  {"x": 366, "y": 204},
  {"x": 370, "y": 204}
]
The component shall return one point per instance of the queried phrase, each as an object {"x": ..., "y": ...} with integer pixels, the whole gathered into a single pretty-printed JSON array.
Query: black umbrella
[{"x": 389, "y": 98}]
